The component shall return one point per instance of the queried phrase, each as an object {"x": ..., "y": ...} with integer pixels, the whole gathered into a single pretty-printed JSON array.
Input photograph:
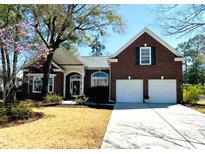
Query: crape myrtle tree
[
  {"x": 10, "y": 45},
  {"x": 70, "y": 23},
  {"x": 16, "y": 48}
]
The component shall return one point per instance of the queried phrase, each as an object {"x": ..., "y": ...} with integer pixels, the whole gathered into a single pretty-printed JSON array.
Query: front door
[{"x": 76, "y": 88}]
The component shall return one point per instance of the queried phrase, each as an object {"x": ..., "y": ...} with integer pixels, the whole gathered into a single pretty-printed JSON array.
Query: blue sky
[{"x": 136, "y": 18}]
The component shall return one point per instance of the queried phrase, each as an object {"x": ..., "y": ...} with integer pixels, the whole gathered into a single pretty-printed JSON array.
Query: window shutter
[
  {"x": 153, "y": 55},
  {"x": 137, "y": 55}
]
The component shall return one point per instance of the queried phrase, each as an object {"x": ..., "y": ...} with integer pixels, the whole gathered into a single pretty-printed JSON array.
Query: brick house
[{"x": 145, "y": 67}]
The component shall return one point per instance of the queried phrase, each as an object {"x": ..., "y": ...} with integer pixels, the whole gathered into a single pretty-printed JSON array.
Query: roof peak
[{"x": 152, "y": 34}]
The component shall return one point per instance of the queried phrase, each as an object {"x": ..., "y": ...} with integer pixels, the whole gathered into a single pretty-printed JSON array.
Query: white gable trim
[
  {"x": 113, "y": 60},
  {"x": 59, "y": 69},
  {"x": 146, "y": 30},
  {"x": 178, "y": 59}
]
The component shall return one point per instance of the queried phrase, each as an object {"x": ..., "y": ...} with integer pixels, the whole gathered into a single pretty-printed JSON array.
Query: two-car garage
[{"x": 159, "y": 91}]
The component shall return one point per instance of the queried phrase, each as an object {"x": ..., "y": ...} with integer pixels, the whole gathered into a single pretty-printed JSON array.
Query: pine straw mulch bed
[{"x": 36, "y": 116}]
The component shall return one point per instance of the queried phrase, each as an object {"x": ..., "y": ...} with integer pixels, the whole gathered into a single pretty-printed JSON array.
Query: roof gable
[
  {"x": 148, "y": 31},
  {"x": 62, "y": 56}
]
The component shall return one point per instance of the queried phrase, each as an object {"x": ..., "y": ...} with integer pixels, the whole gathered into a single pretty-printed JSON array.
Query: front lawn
[{"x": 61, "y": 127}]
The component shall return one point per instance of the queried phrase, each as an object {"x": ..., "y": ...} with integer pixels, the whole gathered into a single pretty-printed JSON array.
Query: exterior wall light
[
  {"x": 162, "y": 77},
  {"x": 129, "y": 77}
]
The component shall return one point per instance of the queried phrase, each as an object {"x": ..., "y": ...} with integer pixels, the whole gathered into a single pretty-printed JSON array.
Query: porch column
[
  {"x": 64, "y": 85},
  {"x": 83, "y": 75}
]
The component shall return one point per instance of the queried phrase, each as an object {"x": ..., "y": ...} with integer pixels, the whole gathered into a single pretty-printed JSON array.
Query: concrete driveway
[{"x": 143, "y": 126}]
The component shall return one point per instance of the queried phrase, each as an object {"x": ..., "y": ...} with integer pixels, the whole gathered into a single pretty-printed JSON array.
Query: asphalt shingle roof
[{"x": 91, "y": 61}]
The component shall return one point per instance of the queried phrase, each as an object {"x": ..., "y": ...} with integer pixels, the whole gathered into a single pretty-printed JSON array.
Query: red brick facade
[
  {"x": 87, "y": 79},
  {"x": 28, "y": 86},
  {"x": 126, "y": 66},
  {"x": 58, "y": 83},
  {"x": 165, "y": 66}
]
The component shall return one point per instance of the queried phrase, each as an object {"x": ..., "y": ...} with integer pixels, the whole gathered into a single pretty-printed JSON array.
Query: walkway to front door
[{"x": 135, "y": 125}]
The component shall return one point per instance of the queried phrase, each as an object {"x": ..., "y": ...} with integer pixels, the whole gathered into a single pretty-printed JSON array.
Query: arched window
[
  {"x": 76, "y": 76},
  {"x": 99, "y": 79}
]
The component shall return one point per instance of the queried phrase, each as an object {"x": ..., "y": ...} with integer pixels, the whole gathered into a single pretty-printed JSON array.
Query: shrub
[
  {"x": 202, "y": 91},
  {"x": 191, "y": 93},
  {"x": 21, "y": 111},
  {"x": 3, "y": 117},
  {"x": 53, "y": 98},
  {"x": 98, "y": 94},
  {"x": 81, "y": 99}
]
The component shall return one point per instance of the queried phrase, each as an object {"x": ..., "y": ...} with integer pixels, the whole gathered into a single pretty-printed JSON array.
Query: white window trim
[
  {"x": 150, "y": 56},
  {"x": 40, "y": 76},
  {"x": 92, "y": 84},
  {"x": 34, "y": 91},
  {"x": 52, "y": 86}
]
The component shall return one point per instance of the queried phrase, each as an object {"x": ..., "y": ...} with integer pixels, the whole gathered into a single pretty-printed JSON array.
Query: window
[
  {"x": 75, "y": 76},
  {"x": 38, "y": 84},
  {"x": 50, "y": 85},
  {"x": 99, "y": 79},
  {"x": 145, "y": 55}
]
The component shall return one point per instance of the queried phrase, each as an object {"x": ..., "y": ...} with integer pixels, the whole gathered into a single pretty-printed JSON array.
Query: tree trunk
[
  {"x": 46, "y": 74},
  {"x": 196, "y": 79},
  {"x": 3, "y": 61},
  {"x": 8, "y": 66},
  {"x": 3, "y": 67},
  {"x": 15, "y": 58},
  {"x": 186, "y": 74}
]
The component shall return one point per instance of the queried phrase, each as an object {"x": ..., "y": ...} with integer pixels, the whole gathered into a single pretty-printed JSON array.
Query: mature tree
[
  {"x": 97, "y": 47},
  {"x": 9, "y": 39},
  {"x": 70, "y": 48},
  {"x": 184, "y": 49},
  {"x": 193, "y": 52},
  {"x": 74, "y": 23},
  {"x": 13, "y": 49},
  {"x": 182, "y": 19}
]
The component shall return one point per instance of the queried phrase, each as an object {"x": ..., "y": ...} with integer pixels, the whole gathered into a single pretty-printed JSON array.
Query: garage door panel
[
  {"x": 162, "y": 91},
  {"x": 129, "y": 91}
]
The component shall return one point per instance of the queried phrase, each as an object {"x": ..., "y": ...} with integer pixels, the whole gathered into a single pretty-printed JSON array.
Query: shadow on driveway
[
  {"x": 145, "y": 126},
  {"x": 127, "y": 106}
]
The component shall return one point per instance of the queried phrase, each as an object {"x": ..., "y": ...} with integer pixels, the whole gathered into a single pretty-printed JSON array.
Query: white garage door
[
  {"x": 162, "y": 91},
  {"x": 129, "y": 91}
]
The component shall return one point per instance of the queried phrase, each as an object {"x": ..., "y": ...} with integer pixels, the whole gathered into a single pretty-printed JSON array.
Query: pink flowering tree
[
  {"x": 12, "y": 46},
  {"x": 16, "y": 49}
]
